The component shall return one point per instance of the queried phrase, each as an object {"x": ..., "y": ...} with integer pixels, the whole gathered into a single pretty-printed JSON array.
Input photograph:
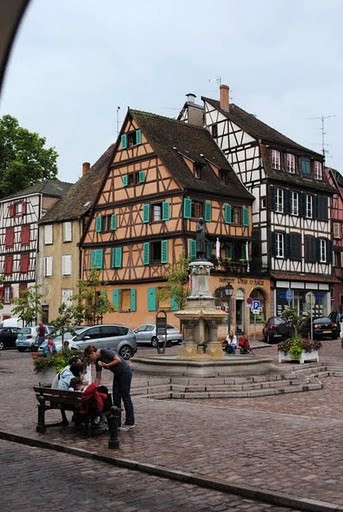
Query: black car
[
  {"x": 8, "y": 335},
  {"x": 276, "y": 329},
  {"x": 323, "y": 327}
]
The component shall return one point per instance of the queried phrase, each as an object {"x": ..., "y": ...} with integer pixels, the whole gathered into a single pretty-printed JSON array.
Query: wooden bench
[{"x": 52, "y": 399}]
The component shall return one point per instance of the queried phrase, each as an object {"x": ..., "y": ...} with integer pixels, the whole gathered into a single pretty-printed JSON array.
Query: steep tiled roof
[
  {"x": 171, "y": 139},
  {"x": 51, "y": 188},
  {"x": 81, "y": 196},
  {"x": 258, "y": 129}
]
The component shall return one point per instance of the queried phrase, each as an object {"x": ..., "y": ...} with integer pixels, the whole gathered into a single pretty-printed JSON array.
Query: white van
[{"x": 11, "y": 322}]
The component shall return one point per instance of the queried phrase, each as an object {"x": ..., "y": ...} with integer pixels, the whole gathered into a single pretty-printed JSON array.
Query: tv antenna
[
  {"x": 118, "y": 108},
  {"x": 218, "y": 80},
  {"x": 322, "y": 129}
]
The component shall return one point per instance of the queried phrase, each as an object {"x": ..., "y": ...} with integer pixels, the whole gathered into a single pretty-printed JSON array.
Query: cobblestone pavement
[
  {"x": 289, "y": 443},
  {"x": 35, "y": 476}
]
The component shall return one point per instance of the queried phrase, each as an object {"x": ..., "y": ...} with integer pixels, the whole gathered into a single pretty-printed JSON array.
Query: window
[
  {"x": 48, "y": 266},
  {"x": 322, "y": 251},
  {"x": 66, "y": 265},
  {"x": 48, "y": 234},
  {"x": 24, "y": 262},
  {"x": 311, "y": 249},
  {"x": 309, "y": 206},
  {"x": 7, "y": 294},
  {"x": 155, "y": 252},
  {"x": 18, "y": 208},
  {"x": 318, "y": 170},
  {"x": 276, "y": 159},
  {"x": 97, "y": 258},
  {"x": 294, "y": 203},
  {"x": 133, "y": 178},
  {"x": 8, "y": 267},
  {"x": 290, "y": 163},
  {"x": 294, "y": 246},
  {"x": 9, "y": 238},
  {"x": 214, "y": 130},
  {"x": 263, "y": 203},
  {"x": 305, "y": 167},
  {"x": 67, "y": 232},
  {"x": 224, "y": 176},
  {"x": 25, "y": 235},
  {"x": 131, "y": 139},
  {"x": 156, "y": 212},
  {"x": 125, "y": 300},
  {"x": 279, "y": 200},
  {"x": 336, "y": 230},
  {"x": 197, "y": 209},
  {"x": 198, "y": 170},
  {"x": 280, "y": 245},
  {"x": 66, "y": 297},
  {"x": 236, "y": 215}
]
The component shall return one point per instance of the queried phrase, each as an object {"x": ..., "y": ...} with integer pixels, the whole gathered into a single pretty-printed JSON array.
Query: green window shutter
[
  {"x": 243, "y": 252},
  {"x": 245, "y": 216},
  {"x": 146, "y": 213},
  {"x": 117, "y": 257},
  {"x": 146, "y": 253},
  {"x": 125, "y": 180},
  {"x": 174, "y": 305},
  {"x": 133, "y": 299},
  {"x": 96, "y": 258},
  {"x": 114, "y": 222},
  {"x": 164, "y": 251},
  {"x": 152, "y": 302},
  {"x": 228, "y": 250},
  {"x": 187, "y": 208},
  {"x": 227, "y": 214},
  {"x": 165, "y": 210},
  {"x": 209, "y": 249},
  {"x": 116, "y": 299},
  {"x": 141, "y": 176},
  {"x": 98, "y": 223},
  {"x": 192, "y": 249},
  {"x": 138, "y": 137},
  {"x": 208, "y": 211},
  {"x": 123, "y": 141}
]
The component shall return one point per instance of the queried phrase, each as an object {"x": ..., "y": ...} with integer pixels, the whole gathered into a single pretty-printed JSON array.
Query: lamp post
[{"x": 228, "y": 290}]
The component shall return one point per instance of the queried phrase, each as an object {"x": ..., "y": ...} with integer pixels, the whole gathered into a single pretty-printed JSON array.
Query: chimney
[
  {"x": 224, "y": 96},
  {"x": 190, "y": 97},
  {"x": 85, "y": 167}
]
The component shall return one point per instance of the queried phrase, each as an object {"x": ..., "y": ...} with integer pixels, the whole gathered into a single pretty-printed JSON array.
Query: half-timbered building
[
  {"x": 336, "y": 180},
  {"x": 19, "y": 239},
  {"x": 61, "y": 228},
  {"x": 164, "y": 175},
  {"x": 292, "y": 208}
]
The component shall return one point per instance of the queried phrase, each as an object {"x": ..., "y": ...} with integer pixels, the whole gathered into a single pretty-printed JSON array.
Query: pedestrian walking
[
  {"x": 41, "y": 334},
  {"x": 122, "y": 375}
]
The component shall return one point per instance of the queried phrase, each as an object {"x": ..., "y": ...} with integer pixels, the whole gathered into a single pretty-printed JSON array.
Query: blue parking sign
[{"x": 255, "y": 307}]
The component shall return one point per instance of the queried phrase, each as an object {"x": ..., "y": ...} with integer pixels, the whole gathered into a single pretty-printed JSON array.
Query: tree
[
  {"x": 65, "y": 320},
  {"x": 177, "y": 280},
  {"x": 24, "y": 160},
  {"x": 28, "y": 305},
  {"x": 92, "y": 303}
]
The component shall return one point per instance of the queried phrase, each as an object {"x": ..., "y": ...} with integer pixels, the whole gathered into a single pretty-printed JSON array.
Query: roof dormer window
[
  {"x": 198, "y": 170},
  {"x": 318, "y": 170},
  {"x": 290, "y": 163},
  {"x": 305, "y": 167},
  {"x": 276, "y": 159}
]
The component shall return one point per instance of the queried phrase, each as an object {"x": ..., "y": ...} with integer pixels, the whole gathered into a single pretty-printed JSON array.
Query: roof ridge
[{"x": 177, "y": 121}]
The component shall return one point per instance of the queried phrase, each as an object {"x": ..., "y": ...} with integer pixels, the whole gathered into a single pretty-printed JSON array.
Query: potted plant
[{"x": 299, "y": 349}]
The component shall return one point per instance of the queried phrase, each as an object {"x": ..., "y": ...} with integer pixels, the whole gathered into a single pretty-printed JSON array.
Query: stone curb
[{"x": 274, "y": 498}]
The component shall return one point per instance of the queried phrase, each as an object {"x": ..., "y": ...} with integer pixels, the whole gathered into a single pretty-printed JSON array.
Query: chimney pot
[
  {"x": 190, "y": 97},
  {"x": 224, "y": 96},
  {"x": 85, "y": 167}
]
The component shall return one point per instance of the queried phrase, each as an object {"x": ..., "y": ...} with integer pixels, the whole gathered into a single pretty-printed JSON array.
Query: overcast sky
[{"x": 74, "y": 62}]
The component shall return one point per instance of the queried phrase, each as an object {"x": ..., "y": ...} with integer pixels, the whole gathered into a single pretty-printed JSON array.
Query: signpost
[
  {"x": 161, "y": 329},
  {"x": 310, "y": 301},
  {"x": 255, "y": 309}
]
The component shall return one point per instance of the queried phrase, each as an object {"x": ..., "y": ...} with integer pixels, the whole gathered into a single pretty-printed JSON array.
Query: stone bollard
[{"x": 113, "y": 422}]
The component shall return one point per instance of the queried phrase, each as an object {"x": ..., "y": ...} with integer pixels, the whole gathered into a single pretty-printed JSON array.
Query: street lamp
[{"x": 228, "y": 290}]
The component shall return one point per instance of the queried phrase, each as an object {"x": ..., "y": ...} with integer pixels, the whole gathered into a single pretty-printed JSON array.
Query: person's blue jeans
[{"x": 121, "y": 392}]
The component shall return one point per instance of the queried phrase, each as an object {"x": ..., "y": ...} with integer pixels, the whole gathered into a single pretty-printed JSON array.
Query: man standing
[{"x": 122, "y": 376}]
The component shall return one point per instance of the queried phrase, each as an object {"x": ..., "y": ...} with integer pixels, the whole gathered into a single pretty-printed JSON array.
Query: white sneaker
[{"x": 125, "y": 428}]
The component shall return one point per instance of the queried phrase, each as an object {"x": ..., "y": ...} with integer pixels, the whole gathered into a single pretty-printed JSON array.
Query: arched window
[{"x": 260, "y": 295}]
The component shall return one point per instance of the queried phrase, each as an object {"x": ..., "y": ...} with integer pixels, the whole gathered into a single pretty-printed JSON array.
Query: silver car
[
  {"x": 27, "y": 338},
  {"x": 146, "y": 335},
  {"x": 119, "y": 337},
  {"x": 57, "y": 337}
]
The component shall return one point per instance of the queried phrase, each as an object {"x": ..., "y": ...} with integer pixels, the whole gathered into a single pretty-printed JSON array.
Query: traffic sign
[
  {"x": 255, "y": 306},
  {"x": 249, "y": 301},
  {"x": 289, "y": 295}
]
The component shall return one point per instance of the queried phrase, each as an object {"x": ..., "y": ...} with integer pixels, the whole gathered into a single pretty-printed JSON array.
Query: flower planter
[{"x": 305, "y": 357}]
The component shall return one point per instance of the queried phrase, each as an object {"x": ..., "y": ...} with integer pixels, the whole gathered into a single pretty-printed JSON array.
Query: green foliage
[
  {"x": 293, "y": 318},
  {"x": 177, "y": 281},
  {"x": 24, "y": 159},
  {"x": 57, "y": 361},
  {"x": 28, "y": 305},
  {"x": 296, "y": 344},
  {"x": 92, "y": 303},
  {"x": 65, "y": 321}
]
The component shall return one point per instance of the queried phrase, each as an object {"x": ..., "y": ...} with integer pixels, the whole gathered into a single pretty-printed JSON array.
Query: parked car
[
  {"x": 276, "y": 329},
  {"x": 336, "y": 316},
  {"x": 8, "y": 336},
  {"x": 27, "y": 338},
  {"x": 119, "y": 337},
  {"x": 322, "y": 328},
  {"x": 146, "y": 335}
]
